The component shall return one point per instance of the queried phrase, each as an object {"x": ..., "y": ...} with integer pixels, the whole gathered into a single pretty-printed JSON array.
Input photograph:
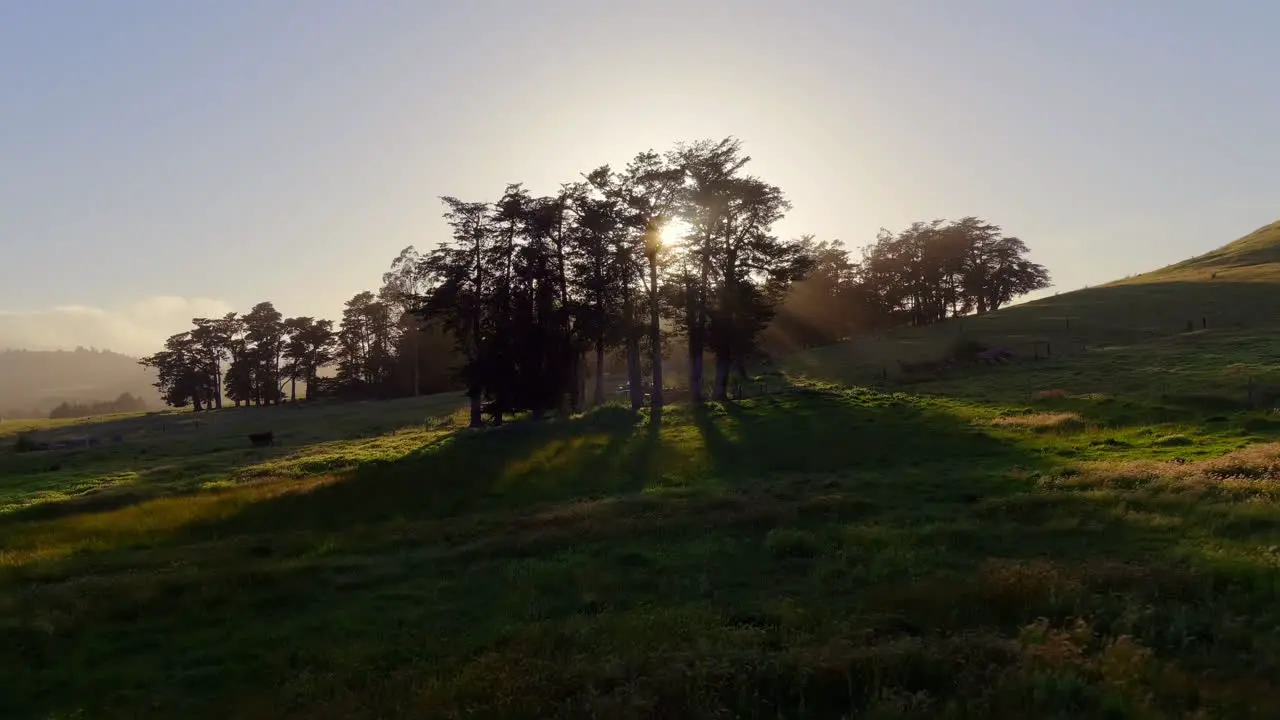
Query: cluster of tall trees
[
  {"x": 261, "y": 357},
  {"x": 678, "y": 243},
  {"x": 125, "y": 403},
  {"x": 921, "y": 275},
  {"x": 672, "y": 255}
]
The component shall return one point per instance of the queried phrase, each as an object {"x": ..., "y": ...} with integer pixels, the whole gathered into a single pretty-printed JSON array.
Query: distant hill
[{"x": 34, "y": 382}]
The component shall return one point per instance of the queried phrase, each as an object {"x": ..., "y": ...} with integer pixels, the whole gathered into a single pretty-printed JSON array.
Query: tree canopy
[{"x": 675, "y": 254}]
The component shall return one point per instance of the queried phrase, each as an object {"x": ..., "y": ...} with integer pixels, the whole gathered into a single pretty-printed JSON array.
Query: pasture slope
[
  {"x": 1092, "y": 535},
  {"x": 1136, "y": 331}
]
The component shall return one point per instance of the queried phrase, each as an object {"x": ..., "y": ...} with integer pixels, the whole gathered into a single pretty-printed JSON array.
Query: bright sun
[{"x": 674, "y": 231}]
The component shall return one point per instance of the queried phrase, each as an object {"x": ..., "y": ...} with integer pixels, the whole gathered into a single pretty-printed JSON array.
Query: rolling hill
[
  {"x": 1191, "y": 314},
  {"x": 34, "y": 382}
]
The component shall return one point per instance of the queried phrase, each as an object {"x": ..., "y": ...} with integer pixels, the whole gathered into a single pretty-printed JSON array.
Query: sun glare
[{"x": 674, "y": 231}]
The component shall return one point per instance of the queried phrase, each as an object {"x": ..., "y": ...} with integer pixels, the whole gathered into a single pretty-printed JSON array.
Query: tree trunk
[
  {"x": 633, "y": 353},
  {"x": 695, "y": 371},
  {"x": 579, "y": 381},
  {"x": 655, "y": 333},
  {"x": 695, "y": 346},
  {"x": 217, "y": 385},
  {"x": 293, "y": 388},
  {"x": 598, "y": 400},
  {"x": 417, "y": 361},
  {"x": 634, "y": 379},
  {"x": 723, "y": 364},
  {"x": 477, "y": 417}
]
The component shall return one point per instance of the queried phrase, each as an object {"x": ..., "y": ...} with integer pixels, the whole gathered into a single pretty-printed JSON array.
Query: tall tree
[
  {"x": 264, "y": 337},
  {"x": 364, "y": 344},
  {"x": 403, "y": 287},
  {"x": 179, "y": 372},
  {"x": 737, "y": 269},
  {"x": 597, "y": 231},
  {"x": 310, "y": 347},
  {"x": 212, "y": 338},
  {"x": 651, "y": 187},
  {"x": 460, "y": 281}
]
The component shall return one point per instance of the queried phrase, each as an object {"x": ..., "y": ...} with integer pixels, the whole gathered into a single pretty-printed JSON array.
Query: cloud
[{"x": 137, "y": 328}]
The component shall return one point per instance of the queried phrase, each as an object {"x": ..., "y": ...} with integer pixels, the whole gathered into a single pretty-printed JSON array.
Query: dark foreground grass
[{"x": 834, "y": 554}]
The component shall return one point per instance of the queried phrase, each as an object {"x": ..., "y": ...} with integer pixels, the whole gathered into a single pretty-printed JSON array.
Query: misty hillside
[{"x": 34, "y": 382}]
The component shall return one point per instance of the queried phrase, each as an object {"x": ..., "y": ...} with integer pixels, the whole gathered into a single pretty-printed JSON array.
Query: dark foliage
[{"x": 123, "y": 404}]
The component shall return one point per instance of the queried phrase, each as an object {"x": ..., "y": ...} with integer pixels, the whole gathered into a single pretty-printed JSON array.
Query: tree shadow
[
  {"x": 854, "y": 430},
  {"x": 521, "y": 463}
]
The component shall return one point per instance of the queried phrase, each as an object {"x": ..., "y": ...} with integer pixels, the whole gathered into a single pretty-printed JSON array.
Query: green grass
[{"x": 818, "y": 554}]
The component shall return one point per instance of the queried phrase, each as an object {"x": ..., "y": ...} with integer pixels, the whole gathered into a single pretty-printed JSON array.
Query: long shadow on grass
[
  {"x": 851, "y": 430},
  {"x": 613, "y": 452},
  {"x": 603, "y": 453}
]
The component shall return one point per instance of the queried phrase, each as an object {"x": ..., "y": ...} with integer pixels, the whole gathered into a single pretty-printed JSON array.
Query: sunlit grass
[{"x": 136, "y": 526}]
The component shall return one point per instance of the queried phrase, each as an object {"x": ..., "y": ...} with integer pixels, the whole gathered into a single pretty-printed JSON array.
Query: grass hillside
[
  {"x": 814, "y": 554},
  {"x": 1215, "y": 316}
]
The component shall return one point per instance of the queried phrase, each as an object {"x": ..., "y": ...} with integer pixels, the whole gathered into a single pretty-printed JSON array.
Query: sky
[{"x": 164, "y": 160}]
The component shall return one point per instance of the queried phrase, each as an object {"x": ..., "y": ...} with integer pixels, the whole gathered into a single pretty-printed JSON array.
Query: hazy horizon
[{"x": 165, "y": 161}]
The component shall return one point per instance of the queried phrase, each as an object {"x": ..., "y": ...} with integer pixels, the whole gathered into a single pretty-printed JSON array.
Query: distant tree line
[
  {"x": 126, "y": 403},
  {"x": 378, "y": 349},
  {"x": 674, "y": 253},
  {"x": 922, "y": 275}
]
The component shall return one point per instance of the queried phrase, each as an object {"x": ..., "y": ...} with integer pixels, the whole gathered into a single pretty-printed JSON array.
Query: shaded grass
[{"x": 816, "y": 554}]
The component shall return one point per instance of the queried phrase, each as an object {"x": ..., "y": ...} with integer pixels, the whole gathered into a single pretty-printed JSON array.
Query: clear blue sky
[{"x": 160, "y": 159}]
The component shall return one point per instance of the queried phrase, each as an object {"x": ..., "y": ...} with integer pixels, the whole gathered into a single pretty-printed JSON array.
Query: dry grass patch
[
  {"x": 1041, "y": 421},
  {"x": 1250, "y": 473}
]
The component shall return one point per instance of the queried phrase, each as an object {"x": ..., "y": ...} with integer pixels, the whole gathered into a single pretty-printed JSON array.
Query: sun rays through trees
[{"x": 664, "y": 265}]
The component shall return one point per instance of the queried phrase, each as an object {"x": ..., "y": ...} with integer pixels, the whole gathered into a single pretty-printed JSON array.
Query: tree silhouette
[{"x": 509, "y": 306}]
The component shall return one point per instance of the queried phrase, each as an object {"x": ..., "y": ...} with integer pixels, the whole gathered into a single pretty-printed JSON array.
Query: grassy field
[
  {"x": 1095, "y": 534},
  {"x": 824, "y": 553}
]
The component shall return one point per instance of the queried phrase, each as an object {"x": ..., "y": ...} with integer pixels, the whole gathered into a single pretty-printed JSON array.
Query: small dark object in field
[
  {"x": 997, "y": 356},
  {"x": 94, "y": 442},
  {"x": 55, "y": 467},
  {"x": 1178, "y": 461},
  {"x": 117, "y": 438},
  {"x": 262, "y": 439}
]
